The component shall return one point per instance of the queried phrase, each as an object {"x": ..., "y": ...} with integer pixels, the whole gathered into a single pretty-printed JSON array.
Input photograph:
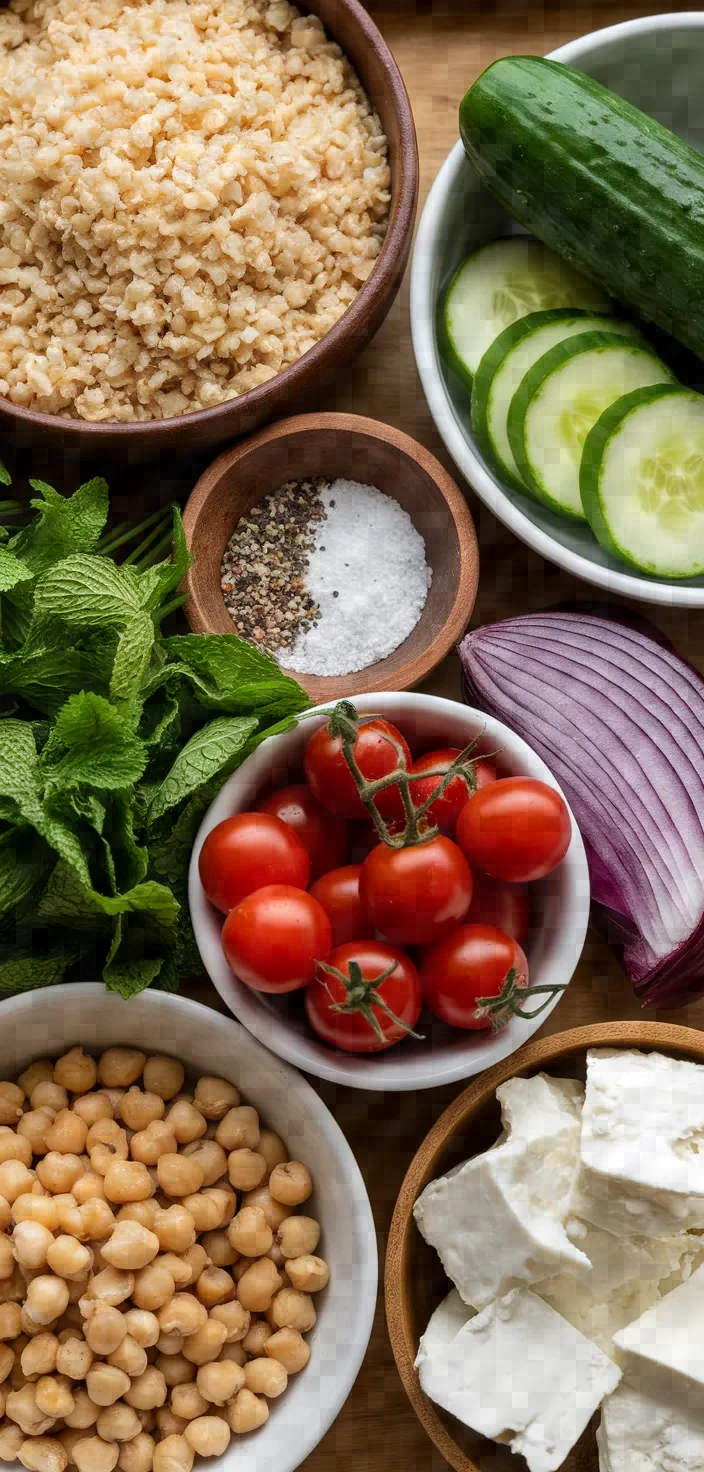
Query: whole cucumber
[{"x": 611, "y": 190}]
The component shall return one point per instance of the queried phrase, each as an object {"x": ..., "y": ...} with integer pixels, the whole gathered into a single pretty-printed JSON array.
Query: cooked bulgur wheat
[{"x": 192, "y": 193}]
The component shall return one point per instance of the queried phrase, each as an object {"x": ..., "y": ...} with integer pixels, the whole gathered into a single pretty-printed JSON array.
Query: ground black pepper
[{"x": 263, "y": 574}]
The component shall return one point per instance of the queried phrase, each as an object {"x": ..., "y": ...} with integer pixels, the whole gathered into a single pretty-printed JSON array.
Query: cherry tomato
[
  {"x": 245, "y": 852},
  {"x": 323, "y": 836},
  {"x": 517, "y": 829},
  {"x": 354, "y": 1031},
  {"x": 275, "y": 937},
  {"x": 470, "y": 966},
  {"x": 503, "y": 905},
  {"x": 415, "y": 895},
  {"x": 447, "y": 808},
  {"x": 331, "y": 779},
  {"x": 338, "y": 893}
]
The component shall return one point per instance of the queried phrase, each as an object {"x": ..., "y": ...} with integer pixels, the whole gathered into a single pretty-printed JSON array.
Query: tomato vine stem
[
  {"x": 363, "y": 997},
  {"x": 508, "y": 1002}
]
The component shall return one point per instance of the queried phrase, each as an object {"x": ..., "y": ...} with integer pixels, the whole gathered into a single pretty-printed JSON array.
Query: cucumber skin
[
  {"x": 589, "y": 473},
  {"x": 492, "y": 359},
  {"x": 620, "y": 197},
  {"x": 530, "y": 385}
]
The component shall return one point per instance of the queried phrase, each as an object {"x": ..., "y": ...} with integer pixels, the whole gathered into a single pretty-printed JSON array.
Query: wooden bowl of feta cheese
[{"x": 544, "y": 1280}]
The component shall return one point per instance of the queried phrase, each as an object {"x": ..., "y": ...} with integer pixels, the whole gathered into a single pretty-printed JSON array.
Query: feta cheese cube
[
  {"x": 642, "y": 1173},
  {"x": 450, "y": 1316},
  {"x": 520, "y": 1374},
  {"x": 670, "y": 1335},
  {"x": 646, "y": 1428},
  {"x": 497, "y": 1221}
]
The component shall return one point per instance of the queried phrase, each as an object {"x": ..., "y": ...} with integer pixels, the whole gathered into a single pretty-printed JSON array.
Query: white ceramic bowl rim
[
  {"x": 425, "y": 348},
  {"x": 43, "y": 1023},
  {"x": 556, "y": 947}
]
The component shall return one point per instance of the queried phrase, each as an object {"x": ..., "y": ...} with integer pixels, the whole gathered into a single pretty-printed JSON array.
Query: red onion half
[{"x": 619, "y": 719}]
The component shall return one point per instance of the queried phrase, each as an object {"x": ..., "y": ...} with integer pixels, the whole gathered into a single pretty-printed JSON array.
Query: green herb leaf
[
  {"x": 25, "y": 865},
  {"x": 19, "y": 771},
  {"x": 132, "y": 657},
  {"x": 65, "y": 524},
  {"x": 94, "y": 743},
  {"x": 158, "y": 581},
  {"x": 230, "y": 673},
  {"x": 25, "y": 973},
  {"x": 213, "y": 750},
  {"x": 12, "y": 571},
  {"x": 89, "y": 593},
  {"x": 68, "y": 902},
  {"x": 5, "y": 477}
]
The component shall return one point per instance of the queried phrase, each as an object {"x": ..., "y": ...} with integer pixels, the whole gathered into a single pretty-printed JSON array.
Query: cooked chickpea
[
  {"x": 249, "y": 1232},
  {"x": 131, "y": 1246},
  {"x": 234, "y": 1317},
  {"x": 112, "y": 1286},
  {"x": 34, "y": 1073},
  {"x": 92, "y": 1107},
  {"x": 21, "y": 1407},
  {"x": 176, "y": 1369},
  {"x": 308, "y": 1273},
  {"x": 178, "y": 1175},
  {"x": 56, "y": 1172},
  {"x": 247, "y": 1412},
  {"x": 68, "y": 1213},
  {"x": 246, "y": 1169},
  {"x": 5, "y": 1214},
  {"x": 290, "y": 1183},
  {"x": 226, "y": 1201},
  {"x": 11, "y": 1439},
  {"x": 106, "y": 1384},
  {"x": 29, "y": 1207},
  {"x": 183, "y": 1315},
  {"x": 138, "y": 1109},
  {"x": 69, "y": 1258},
  {"x": 196, "y": 1260},
  {"x": 106, "y": 1141},
  {"x": 130, "y": 1357},
  {"x": 173, "y": 1454},
  {"x": 127, "y": 1180},
  {"x": 47, "y": 1298},
  {"x": 214, "y": 1097},
  {"x": 95, "y": 1455},
  {"x": 298, "y": 1236},
  {"x": 239, "y": 1130},
  {"x": 12, "y": 1100},
  {"x": 10, "y": 1320},
  {"x": 43, "y": 1454},
  {"x": 186, "y": 1122},
  {"x": 73, "y": 1358},
  {"x": 272, "y": 1147},
  {"x": 233, "y": 1351},
  {"x": 175, "y": 1229},
  {"x": 265, "y": 1377},
  {"x": 34, "y": 1126},
  {"x": 148, "y": 1390},
  {"x": 88, "y": 1187},
  {"x": 84, "y": 1413},
  {"x": 153, "y": 1286},
  {"x": 206, "y": 1343},
  {"x": 14, "y": 1147},
  {"x": 150, "y": 1144},
  {"x": 219, "y": 1249},
  {"x": 211, "y": 1157},
  {"x": 15, "y": 1179},
  {"x": 214, "y": 1286},
  {"x": 54, "y": 1396},
  {"x": 274, "y": 1211},
  {"x": 120, "y": 1067},
  {"x": 168, "y": 1423},
  {"x": 118, "y": 1422},
  {"x": 206, "y": 1212},
  {"x": 258, "y": 1284},
  {"x": 76, "y": 1071},
  {"x": 187, "y": 1401},
  {"x": 137, "y": 1455},
  {"x": 7, "y": 1257},
  {"x": 256, "y": 1337},
  {"x": 163, "y": 1076},
  {"x": 219, "y": 1381},
  {"x": 142, "y": 1326},
  {"x": 67, "y": 1134},
  {"x": 40, "y": 1355},
  {"x": 292, "y": 1309},
  {"x": 97, "y": 1219},
  {"x": 105, "y": 1329},
  {"x": 48, "y": 1095},
  {"x": 209, "y": 1436}
]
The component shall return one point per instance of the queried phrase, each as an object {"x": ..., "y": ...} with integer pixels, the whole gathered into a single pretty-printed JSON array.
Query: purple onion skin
[{"x": 678, "y": 976}]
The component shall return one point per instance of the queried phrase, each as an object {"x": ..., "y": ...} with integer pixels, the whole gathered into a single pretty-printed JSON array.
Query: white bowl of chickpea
[{"x": 173, "y": 1283}]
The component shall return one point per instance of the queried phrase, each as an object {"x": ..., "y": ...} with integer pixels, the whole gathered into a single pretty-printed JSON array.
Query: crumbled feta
[
  {"x": 520, "y": 1373},
  {"x": 642, "y": 1173},
  {"x": 497, "y": 1222},
  {"x": 648, "y": 1427},
  {"x": 670, "y": 1335}
]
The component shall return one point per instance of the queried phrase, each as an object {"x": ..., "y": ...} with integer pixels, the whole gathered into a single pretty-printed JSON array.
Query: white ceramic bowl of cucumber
[{"x": 511, "y": 410}]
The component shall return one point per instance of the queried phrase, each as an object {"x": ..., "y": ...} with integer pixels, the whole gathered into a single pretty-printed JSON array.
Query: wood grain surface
[{"x": 441, "y": 46}]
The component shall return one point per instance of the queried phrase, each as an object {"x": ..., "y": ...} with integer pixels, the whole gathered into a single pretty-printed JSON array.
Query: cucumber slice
[
  {"x": 498, "y": 284},
  {"x": 506, "y": 363},
  {"x": 642, "y": 480},
  {"x": 559, "y": 400}
]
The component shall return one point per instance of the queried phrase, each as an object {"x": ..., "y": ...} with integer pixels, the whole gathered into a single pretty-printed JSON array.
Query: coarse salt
[{"x": 368, "y": 574}]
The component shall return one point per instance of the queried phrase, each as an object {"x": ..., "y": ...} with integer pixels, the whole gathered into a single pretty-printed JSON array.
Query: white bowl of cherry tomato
[{"x": 391, "y": 896}]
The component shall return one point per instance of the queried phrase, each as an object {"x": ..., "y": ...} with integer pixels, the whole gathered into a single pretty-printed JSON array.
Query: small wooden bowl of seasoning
[{"x": 339, "y": 545}]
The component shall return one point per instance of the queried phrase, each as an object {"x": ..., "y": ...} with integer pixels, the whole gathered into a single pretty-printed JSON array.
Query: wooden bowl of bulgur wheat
[{"x": 206, "y": 212}]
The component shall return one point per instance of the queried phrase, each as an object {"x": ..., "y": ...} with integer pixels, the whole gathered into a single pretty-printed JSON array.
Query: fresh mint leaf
[
  {"x": 210, "y": 752},
  {"x": 157, "y": 582},
  {"x": 132, "y": 658},
  {"x": 25, "y": 865},
  {"x": 25, "y": 972},
  {"x": 130, "y": 858},
  {"x": 5, "y": 477},
  {"x": 68, "y": 902},
  {"x": 19, "y": 771},
  {"x": 132, "y": 963},
  {"x": 45, "y": 675},
  {"x": 94, "y": 743},
  {"x": 88, "y": 593},
  {"x": 65, "y": 524},
  {"x": 231, "y": 673},
  {"x": 12, "y": 571}
]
